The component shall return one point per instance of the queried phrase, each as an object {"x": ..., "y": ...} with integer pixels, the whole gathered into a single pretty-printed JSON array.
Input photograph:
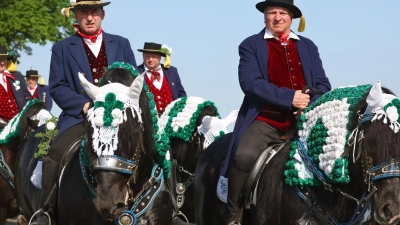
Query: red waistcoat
[
  {"x": 284, "y": 70},
  {"x": 8, "y": 105},
  {"x": 35, "y": 94},
  {"x": 97, "y": 65},
  {"x": 163, "y": 96}
]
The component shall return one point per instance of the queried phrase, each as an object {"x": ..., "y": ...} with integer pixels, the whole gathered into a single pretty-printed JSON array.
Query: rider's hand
[
  {"x": 300, "y": 99},
  {"x": 86, "y": 108}
]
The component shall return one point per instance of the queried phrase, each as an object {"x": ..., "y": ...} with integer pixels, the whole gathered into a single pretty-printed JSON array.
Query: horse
[
  {"x": 371, "y": 195},
  {"x": 9, "y": 146},
  {"x": 107, "y": 184},
  {"x": 187, "y": 144}
]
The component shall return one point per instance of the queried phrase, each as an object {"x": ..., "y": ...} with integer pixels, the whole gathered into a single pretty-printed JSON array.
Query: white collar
[{"x": 268, "y": 35}]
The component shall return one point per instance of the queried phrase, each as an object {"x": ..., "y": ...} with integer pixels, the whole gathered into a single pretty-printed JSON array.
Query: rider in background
[
  {"x": 163, "y": 80},
  {"x": 13, "y": 92},
  {"x": 89, "y": 51},
  {"x": 275, "y": 65},
  {"x": 38, "y": 91}
]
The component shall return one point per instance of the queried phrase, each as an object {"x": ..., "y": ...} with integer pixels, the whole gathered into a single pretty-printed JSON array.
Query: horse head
[
  {"x": 378, "y": 143},
  {"x": 119, "y": 139}
]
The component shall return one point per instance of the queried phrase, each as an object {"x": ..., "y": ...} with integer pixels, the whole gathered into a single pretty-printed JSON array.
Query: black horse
[
  {"x": 367, "y": 199},
  {"x": 9, "y": 207},
  {"x": 114, "y": 188},
  {"x": 187, "y": 155}
]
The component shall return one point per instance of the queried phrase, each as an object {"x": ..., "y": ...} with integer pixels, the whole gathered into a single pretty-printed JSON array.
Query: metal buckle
[{"x": 327, "y": 187}]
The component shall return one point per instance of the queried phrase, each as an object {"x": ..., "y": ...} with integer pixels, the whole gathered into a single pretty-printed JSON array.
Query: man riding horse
[
  {"x": 275, "y": 65},
  {"x": 90, "y": 50}
]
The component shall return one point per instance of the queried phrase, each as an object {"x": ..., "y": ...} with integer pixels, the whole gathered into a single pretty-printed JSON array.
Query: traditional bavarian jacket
[
  {"x": 68, "y": 59},
  {"x": 284, "y": 71},
  {"x": 173, "y": 79},
  {"x": 258, "y": 89},
  {"x": 13, "y": 100},
  {"x": 41, "y": 92}
]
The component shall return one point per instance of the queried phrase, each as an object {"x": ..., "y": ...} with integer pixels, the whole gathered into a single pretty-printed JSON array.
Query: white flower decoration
[
  {"x": 99, "y": 112},
  {"x": 50, "y": 126},
  {"x": 98, "y": 121},
  {"x": 392, "y": 113},
  {"x": 72, "y": 2},
  {"x": 116, "y": 113}
]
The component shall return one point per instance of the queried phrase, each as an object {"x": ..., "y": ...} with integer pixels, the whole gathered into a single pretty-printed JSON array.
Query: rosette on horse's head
[{"x": 110, "y": 104}]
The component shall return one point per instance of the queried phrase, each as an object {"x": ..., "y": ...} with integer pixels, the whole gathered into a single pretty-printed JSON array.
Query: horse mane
[
  {"x": 180, "y": 149},
  {"x": 128, "y": 134},
  {"x": 274, "y": 171}
]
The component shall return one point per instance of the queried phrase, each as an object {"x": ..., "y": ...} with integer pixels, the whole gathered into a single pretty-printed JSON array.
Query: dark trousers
[
  {"x": 253, "y": 141},
  {"x": 60, "y": 145}
]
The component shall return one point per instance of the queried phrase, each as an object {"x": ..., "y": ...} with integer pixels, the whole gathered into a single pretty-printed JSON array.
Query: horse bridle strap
[
  {"x": 323, "y": 214},
  {"x": 114, "y": 163},
  {"x": 385, "y": 170}
]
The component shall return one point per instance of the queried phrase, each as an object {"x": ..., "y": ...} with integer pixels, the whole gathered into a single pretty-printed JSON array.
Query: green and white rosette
[{"x": 324, "y": 129}]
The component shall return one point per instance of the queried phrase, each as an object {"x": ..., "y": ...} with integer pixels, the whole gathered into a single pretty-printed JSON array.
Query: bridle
[
  {"x": 183, "y": 186},
  {"x": 140, "y": 202},
  {"x": 370, "y": 174}
]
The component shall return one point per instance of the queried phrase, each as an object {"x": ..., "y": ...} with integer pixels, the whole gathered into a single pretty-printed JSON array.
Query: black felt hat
[
  {"x": 4, "y": 53},
  {"x": 32, "y": 73},
  {"x": 152, "y": 47},
  {"x": 282, "y": 3}
]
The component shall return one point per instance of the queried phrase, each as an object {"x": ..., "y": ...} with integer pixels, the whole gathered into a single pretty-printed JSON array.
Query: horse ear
[
  {"x": 375, "y": 96},
  {"x": 136, "y": 87},
  {"x": 206, "y": 122},
  {"x": 90, "y": 89},
  {"x": 231, "y": 118}
]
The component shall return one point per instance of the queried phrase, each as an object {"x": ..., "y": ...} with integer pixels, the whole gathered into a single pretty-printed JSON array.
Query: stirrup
[
  {"x": 38, "y": 212},
  {"x": 180, "y": 214}
]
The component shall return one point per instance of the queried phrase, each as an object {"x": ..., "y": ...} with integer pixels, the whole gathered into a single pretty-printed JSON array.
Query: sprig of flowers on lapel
[{"x": 16, "y": 85}]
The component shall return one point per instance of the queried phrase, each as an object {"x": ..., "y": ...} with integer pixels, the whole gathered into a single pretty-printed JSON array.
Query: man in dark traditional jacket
[
  {"x": 275, "y": 65},
  {"x": 163, "y": 80},
  {"x": 37, "y": 89},
  {"x": 89, "y": 51}
]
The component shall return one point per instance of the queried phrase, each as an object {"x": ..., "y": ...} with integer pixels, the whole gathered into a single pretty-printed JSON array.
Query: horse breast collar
[{"x": 5, "y": 171}]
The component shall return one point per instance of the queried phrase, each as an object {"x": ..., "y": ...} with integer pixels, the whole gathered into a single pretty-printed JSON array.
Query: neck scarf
[{"x": 92, "y": 38}]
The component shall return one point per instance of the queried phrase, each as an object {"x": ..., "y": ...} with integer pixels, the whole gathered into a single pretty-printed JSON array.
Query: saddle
[{"x": 273, "y": 148}]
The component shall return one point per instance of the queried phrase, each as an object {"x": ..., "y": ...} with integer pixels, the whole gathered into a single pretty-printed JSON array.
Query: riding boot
[
  {"x": 235, "y": 184},
  {"x": 48, "y": 200}
]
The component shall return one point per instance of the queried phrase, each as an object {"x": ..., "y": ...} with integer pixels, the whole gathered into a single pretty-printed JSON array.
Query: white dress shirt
[
  {"x": 96, "y": 46},
  {"x": 2, "y": 80}
]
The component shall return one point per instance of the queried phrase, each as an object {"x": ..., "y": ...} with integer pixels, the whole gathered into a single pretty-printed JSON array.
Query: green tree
[{"x": 23, "y": 22}]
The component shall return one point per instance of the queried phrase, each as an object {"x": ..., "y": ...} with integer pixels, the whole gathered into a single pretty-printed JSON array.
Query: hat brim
[
  {"x": 153, "y": 51},
  {"x": 86, "y": 6},
  {"x": 2, "y": 56},
  {"x": 292, "y": 8},
  {"x": 35, "y": 76}
]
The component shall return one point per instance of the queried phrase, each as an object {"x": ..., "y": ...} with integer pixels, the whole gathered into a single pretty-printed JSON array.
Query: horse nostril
[
  {"x": 387, "y": 212},
  {"x": 120, "y": 206}
]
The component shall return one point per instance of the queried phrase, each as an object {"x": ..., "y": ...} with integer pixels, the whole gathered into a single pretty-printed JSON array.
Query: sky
[{"x": 357, "y": 41}]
